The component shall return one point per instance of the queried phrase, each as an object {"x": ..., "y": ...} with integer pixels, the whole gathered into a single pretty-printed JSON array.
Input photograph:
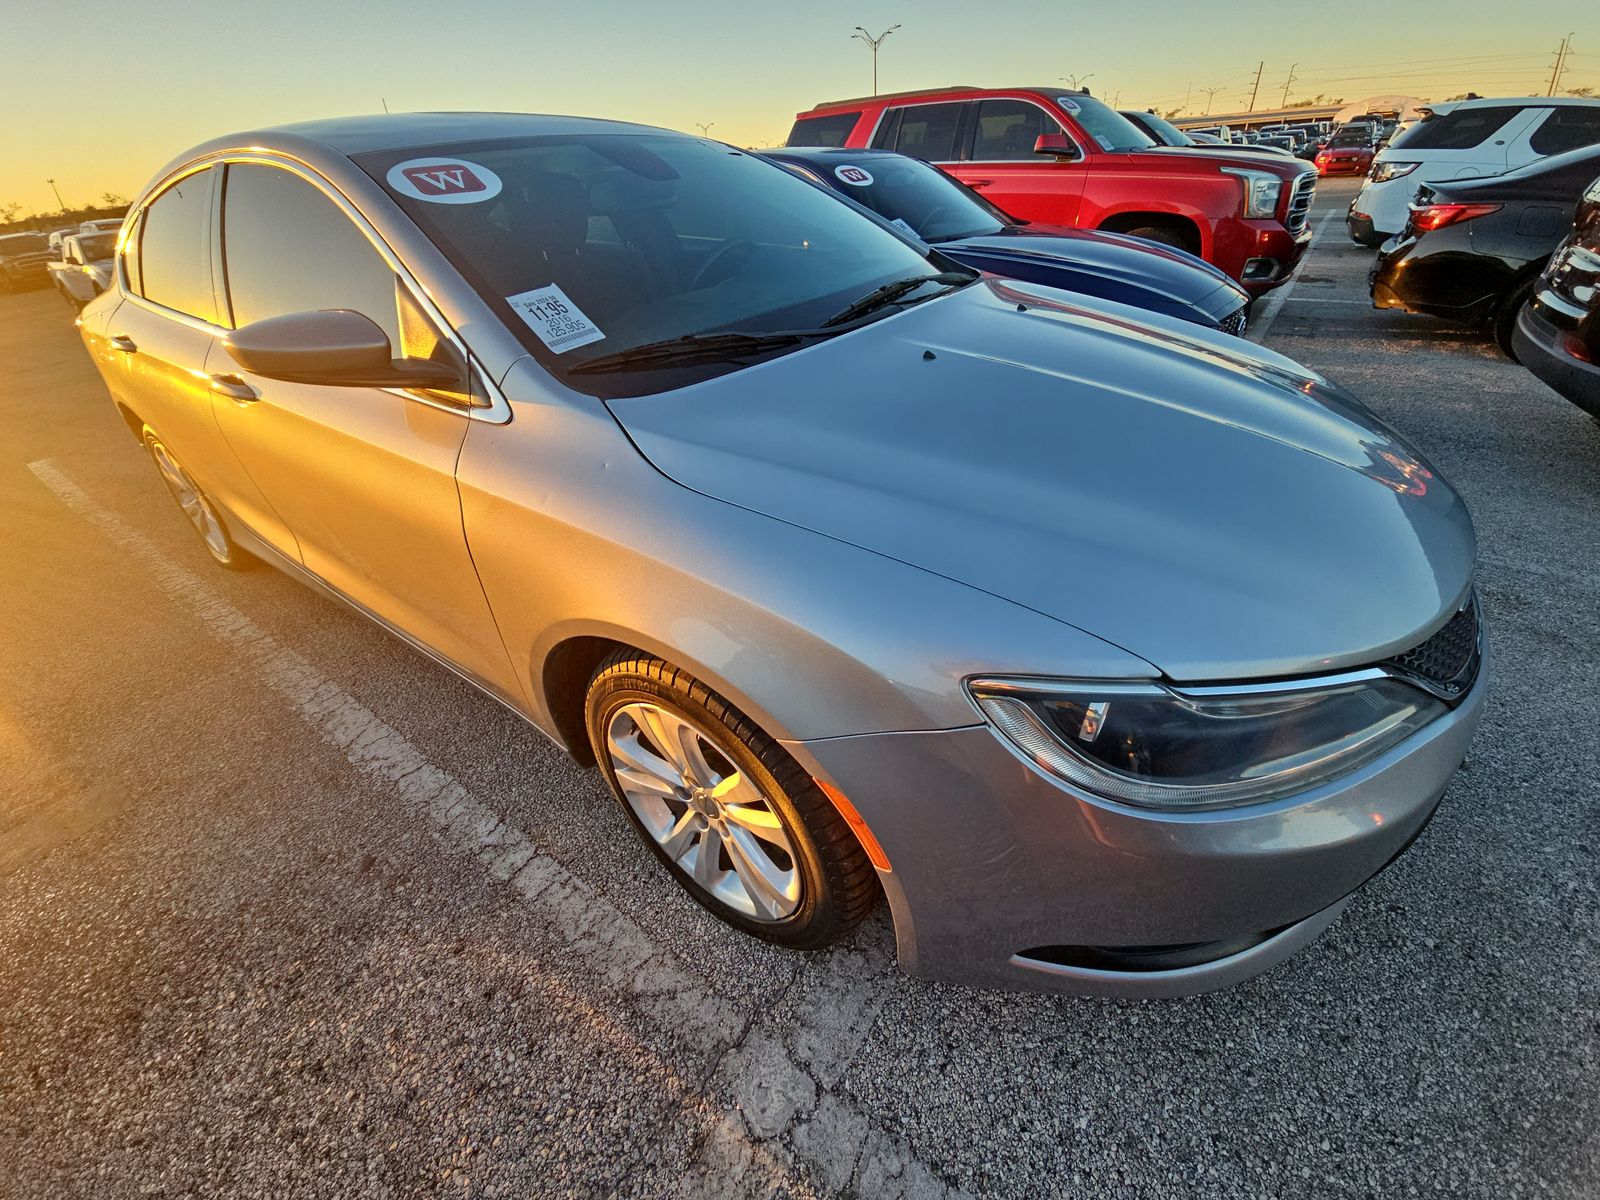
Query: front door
[
  {"x": 365, "y": 477},
  {"x": 1000, "y": 163}
]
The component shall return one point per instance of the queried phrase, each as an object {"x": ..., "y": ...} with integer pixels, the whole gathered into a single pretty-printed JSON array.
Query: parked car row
[
  {"x": 32, "y": 259},
  {"x": 790, "y": 491},
  {"x": 1499, "y": 200}
]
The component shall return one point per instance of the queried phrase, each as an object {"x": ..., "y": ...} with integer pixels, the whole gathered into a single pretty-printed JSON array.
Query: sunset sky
[{"x": 154, "y": 77}]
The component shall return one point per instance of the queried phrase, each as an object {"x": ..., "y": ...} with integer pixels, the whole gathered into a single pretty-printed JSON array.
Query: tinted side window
[
  {"x": 929, "y": 131},
  {"x": 174, "y": 249},
  {"x": 1459, "y": 130},
  {"x": 831, "y": 130},
  {"x": 1007, "y": 130},
  {"x": 288, "y": 248},
  {"x": 1567, "y": 129}
]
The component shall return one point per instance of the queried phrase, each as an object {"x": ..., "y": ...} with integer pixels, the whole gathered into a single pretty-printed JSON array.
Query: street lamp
[
  {"x": 1077, "y": 81},
  {"x": 861, "y": 35},
  {"x": 60, "y": 203}
]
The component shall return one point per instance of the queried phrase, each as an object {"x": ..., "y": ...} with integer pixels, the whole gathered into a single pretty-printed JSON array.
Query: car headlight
[
  {"x": 1385, "y": 171},
  {"x": 1184, "y": 748},
  {"x": 1261, "y": 191}
]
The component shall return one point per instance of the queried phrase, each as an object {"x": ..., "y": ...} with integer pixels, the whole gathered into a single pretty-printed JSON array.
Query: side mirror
[
  {"x": 334, "y": 346},
  {"x": 1058, "y": 144}
]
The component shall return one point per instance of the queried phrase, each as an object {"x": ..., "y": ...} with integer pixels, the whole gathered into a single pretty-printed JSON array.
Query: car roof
[
  {"x": 1448, "y": 106},
  {"x": 815, "y": 153},
  {"x": 955, "y": 92}
]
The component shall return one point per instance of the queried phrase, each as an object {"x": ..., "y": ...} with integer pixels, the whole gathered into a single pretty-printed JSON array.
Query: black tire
[
  {"x": 1505, "y": 316},
  {"x": 838, "y": 885},
  {"x": 1164, "y": 234},
  {"x": 216, "y": 539}
]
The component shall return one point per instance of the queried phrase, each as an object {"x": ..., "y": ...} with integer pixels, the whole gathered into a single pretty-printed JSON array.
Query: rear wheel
[
  {"x": 197, "y": 507},
  {"x": 735, "y": 820},
  {"x": 1505, "y": 316}
]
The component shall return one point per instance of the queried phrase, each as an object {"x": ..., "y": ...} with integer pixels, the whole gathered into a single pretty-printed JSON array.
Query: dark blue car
[{"x": 926, "y": 202}]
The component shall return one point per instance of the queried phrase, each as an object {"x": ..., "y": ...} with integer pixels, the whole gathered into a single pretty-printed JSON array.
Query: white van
[{"x": 1462, "y": 140}]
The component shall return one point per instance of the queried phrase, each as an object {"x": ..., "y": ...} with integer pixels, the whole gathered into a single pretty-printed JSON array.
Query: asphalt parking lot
[{"x": 287, "y": 910}]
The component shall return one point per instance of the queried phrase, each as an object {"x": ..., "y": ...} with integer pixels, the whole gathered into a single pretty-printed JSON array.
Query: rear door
[
  {"x": 364, "y": 476},
  {"x": 163, "y": 333},
  {"x": 998, "y": 160},
  {"x": 1558, "y": 129}
]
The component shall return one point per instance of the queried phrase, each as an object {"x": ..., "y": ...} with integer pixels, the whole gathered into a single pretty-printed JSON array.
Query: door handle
[
  {"x": 977, "y": 183},
  {"x": 124, "y": 343},
  {"x": 234, "y": 388}
]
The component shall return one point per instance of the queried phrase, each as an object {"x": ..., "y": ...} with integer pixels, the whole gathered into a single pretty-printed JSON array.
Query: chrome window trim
[{"x": 496, "y": 412}]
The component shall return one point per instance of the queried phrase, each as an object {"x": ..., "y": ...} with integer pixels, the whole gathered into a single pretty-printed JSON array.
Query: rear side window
[
  {"x": 287, "y": 248},
  {"x": 1007, "y": 129},
  {"x": 1567, "y": 128},
  {"x": 928, "y": 131},
  {"x": 1459, "y": 130},
  {"x": 174, "y": 255},
  {"x": 831, "y": 130}
]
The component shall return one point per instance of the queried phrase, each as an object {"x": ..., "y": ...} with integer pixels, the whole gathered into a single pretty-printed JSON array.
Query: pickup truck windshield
[
  {"x": 22, "y": 243},
  {"x": 1109, "y": 128},
  {"x": 593, "y": 244}
]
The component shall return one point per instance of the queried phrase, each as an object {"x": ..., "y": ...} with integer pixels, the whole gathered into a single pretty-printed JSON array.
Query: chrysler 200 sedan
[{"x": 1115, "y": 652}]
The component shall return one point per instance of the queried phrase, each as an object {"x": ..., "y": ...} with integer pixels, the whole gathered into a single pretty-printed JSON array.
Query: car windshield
[
  {"x": 1109, "y": 128},
  {"x": 23, "y": 243},
  {"x": 1341, "y": 140},
  {"x": 589, "y": 245},
  {"x": 936, "y": 207}
]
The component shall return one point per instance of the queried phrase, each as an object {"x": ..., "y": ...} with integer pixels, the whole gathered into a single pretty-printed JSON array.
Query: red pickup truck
[{"x": 1064, "y": 158}]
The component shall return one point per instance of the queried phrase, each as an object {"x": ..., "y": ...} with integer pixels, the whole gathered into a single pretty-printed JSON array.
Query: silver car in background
[{"x": 1115, "y": 652}]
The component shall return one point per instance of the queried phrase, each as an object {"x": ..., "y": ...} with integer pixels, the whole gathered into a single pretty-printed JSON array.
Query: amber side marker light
[{"x": 857, "y": 826}]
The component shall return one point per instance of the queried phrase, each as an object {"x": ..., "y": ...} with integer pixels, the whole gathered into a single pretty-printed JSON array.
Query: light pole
[
  {"x": 705, "y": 130},
  {"x": 1077, "y": 81},
  {"x": 861, "y": 35},
  {"x": 60, "y": 203}
]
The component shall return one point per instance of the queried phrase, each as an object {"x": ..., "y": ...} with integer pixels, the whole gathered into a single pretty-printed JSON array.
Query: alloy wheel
[
  {"x": 707, "y": 816},
  {"x": 193, "y": 501}
]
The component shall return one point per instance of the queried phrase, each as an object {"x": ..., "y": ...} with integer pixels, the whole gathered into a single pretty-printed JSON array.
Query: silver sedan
[{"x": 1116, "y": 653}]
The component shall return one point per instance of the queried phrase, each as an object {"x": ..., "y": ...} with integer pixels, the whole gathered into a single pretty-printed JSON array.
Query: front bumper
[
  {"x": 1260, "y": 254},
  {"x": 1001, "y": 877}
]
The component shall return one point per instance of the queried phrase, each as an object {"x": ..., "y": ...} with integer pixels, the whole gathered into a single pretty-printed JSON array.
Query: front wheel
[{"x": 735, "y": 820}]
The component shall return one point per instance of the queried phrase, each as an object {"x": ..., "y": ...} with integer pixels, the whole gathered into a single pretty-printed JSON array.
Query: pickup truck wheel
[
  {"x": 735, "y": 820},
  {"x": 1161, "y": 233}
]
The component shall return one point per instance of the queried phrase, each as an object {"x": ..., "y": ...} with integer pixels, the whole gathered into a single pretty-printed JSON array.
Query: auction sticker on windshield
[
  {"x": 559, "y": 322},
  {"x": 854, "y": 176},
  {"x": 444, "y": 181}
]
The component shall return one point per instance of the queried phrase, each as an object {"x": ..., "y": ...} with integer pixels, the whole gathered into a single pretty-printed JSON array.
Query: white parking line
[
  {"x": 1261, "y": 325},
  {"x": 778, "y": 1075}
]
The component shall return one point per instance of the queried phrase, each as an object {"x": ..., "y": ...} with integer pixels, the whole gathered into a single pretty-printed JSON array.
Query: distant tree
[
  {"x": 1172, "y": 112},
  {"x": 1581, "y": 91},
  {"x": 113, "y": 199},
  {"x": 1317, "y": 101},
  {"x": 10, "y": 212}
]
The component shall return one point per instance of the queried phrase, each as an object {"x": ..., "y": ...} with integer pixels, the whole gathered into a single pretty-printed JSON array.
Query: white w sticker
[{"x": 559, "y": 322}]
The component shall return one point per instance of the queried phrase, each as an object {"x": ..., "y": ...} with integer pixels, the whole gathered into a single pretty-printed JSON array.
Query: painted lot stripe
[
  {"x": 1262, "y": 325},
  {"x": 770, "y": 1080}
]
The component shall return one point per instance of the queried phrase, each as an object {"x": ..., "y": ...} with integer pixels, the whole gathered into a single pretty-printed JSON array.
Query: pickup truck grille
[{"x": 1305, "y": 191}]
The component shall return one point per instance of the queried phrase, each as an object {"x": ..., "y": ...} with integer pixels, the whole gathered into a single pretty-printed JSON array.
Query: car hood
[
  {"x": 1198, "y": 501},
  {"x": 1133, "y": 263}
]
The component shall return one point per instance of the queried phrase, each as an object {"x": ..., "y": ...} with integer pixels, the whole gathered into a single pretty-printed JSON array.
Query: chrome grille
[
  {"x": 1448, "y": 661},
  {"x": 1305, "y": 191},
  {"x": 1235, "y": 323}
]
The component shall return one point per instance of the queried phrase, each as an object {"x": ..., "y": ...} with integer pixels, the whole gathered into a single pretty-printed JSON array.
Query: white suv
[{"x": 1462, "y": 140}]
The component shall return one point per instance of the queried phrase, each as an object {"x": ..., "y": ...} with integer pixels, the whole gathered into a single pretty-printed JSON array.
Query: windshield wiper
[
  {"x": 889, "y": 293},
  {"x": 691, "y": 348}
]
